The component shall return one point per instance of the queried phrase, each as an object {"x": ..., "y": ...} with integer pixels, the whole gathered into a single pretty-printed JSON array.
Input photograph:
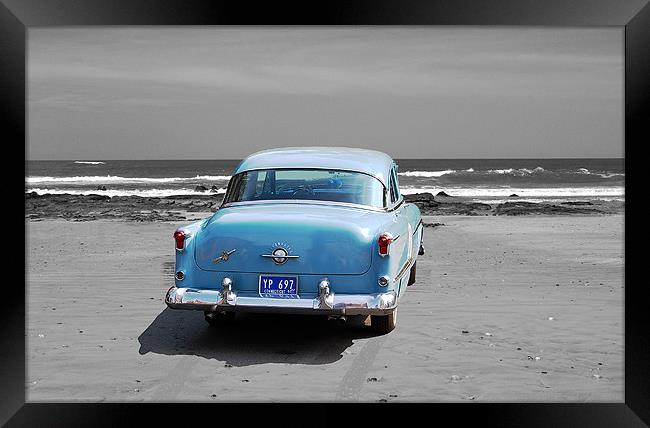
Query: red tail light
[
  {"x": 179, "y": 237},
  {"x": 384, "y": 241}
]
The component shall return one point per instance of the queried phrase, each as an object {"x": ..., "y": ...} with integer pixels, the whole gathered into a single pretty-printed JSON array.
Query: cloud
[{"x": 398, "y": 62}]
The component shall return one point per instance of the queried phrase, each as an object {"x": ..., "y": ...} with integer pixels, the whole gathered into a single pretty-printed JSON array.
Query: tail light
[
  {"x": 384, "y": 241},
  {"x": 179, "y": 237}
]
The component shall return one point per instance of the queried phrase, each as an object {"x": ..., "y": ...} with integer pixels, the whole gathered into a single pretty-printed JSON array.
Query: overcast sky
[{"x": 413, "y": 92}]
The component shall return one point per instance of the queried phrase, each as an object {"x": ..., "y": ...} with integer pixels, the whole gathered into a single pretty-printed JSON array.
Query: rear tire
[
  {"x": 384, "y": 323},
  {"x": 412, "y": 275},
  {"x": 219, "y": 319}
]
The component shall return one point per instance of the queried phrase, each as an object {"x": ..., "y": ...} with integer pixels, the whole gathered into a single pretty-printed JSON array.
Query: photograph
[{"x": 370, "y": 214}]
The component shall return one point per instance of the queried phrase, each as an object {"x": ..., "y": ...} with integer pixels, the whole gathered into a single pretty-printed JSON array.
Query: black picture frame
[{"x": 17, "y": 15}]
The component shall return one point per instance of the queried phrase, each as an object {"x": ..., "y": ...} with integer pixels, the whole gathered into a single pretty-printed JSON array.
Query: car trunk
[{"x": 326, "y": 239}]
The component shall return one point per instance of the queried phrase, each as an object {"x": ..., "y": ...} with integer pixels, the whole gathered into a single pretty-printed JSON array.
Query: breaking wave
[
  {"x": 514, "y": 172},
  {"x": 427, "y": 173},
  {"x": 505, "y": 192},
  {"x": 144, "y": 193},
  {"x": 123, "y": 180}
]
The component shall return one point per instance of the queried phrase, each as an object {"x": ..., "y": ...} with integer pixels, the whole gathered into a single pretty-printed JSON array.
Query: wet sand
[{"x": 526, "y": 309}]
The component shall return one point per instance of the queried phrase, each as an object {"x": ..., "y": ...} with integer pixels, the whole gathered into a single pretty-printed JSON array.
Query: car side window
[
  {"x": 393, "y": 188},
  {"x": 397, "y": 192}
]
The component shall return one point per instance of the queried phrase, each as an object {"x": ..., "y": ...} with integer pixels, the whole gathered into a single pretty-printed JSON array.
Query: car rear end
[{"x": 311, "y": 258}]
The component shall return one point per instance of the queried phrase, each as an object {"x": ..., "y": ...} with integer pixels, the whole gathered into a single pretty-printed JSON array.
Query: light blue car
[{"x": 311, "y": 230}]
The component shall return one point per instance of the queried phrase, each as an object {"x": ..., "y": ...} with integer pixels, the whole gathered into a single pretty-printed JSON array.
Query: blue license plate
[{"x": 279, "y": 286}]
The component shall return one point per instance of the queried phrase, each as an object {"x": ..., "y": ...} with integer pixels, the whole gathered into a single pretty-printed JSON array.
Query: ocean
[{"x": 481, "y": 180}]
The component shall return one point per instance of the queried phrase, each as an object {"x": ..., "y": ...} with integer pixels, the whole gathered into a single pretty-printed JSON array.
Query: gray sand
[{"x": 504, "y": 309}]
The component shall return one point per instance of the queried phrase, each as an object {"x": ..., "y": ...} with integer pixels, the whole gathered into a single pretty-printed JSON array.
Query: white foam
[
  {"x": 520, "y": 171},
  {"x": 610, "y": 175},
  {"x": 427, "y": 173},
  {"x": 145, "y": 193},
  {"x": 505, "y": 192},
  {"x": 90, "y": 162},
  {"x": 122, "y": 180}
]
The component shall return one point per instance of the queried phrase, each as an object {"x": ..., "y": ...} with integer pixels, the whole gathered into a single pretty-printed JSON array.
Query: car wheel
[
  {"x": 218, "y": 319},
  {"x": 412, "y": 275},
  {"x": 384, "y": 323}
]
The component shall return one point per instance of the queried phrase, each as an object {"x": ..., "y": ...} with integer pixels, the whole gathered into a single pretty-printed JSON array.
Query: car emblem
[
  {"x": 224, "y": 256},
  {"x": 280, "y": 256}
]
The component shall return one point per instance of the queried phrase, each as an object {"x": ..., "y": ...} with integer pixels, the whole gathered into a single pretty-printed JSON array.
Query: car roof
[{"x": 372, "y": 162}]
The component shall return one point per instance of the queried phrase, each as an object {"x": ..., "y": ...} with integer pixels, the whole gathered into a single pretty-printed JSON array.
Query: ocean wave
[
  {"x": 518, "y": 171},
  {"x": 90, "y": 162},
  {"x": 145, "y": 193},
  {"x": 515, "y": 172},
  {"x": 123, "y": 180},
  {"x": 427, "y": 173},
  {"x": 505, "y": 192},
  {"x": 474, "y": 193}
]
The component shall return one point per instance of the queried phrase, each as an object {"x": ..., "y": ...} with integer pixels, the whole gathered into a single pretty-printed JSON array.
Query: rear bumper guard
[{"x": 326, "y": 303}]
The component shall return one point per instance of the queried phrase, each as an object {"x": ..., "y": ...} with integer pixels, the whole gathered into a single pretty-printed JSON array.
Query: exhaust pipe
[{"x": 338, "y": 319}]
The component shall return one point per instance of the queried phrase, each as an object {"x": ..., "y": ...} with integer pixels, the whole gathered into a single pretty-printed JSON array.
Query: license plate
[{"x": 279, "y": 286}]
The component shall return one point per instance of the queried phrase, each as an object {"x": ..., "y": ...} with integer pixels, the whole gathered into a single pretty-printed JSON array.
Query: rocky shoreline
[{"x": 174, "y": 208}]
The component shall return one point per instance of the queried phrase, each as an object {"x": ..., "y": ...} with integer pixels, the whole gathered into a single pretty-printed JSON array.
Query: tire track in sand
[{"x": 354, "y": 379}]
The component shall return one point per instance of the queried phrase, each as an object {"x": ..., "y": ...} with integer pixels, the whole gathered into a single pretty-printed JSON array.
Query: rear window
[{"x": 306, "y": 184}]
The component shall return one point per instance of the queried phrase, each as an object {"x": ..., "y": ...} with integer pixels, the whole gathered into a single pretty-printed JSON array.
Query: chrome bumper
[{"x": 330, "y": 303}]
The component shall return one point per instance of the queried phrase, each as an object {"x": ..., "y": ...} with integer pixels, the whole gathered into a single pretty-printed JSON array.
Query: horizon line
[{"x": 239, "y": 159}]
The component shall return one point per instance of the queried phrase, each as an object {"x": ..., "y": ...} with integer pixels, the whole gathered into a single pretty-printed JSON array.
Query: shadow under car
[{"x": 253, "y": 338}]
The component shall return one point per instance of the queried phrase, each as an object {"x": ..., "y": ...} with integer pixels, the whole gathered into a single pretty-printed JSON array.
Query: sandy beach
[{"x": 505, "y": 308}]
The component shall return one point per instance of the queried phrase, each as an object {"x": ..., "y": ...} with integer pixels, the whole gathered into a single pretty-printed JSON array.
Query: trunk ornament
[
  {"x": 224, "y": 256},
  {"x": 280, "y": 256}
]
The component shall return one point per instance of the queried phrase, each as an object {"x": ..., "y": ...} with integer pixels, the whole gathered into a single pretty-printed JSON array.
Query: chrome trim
[
  {"x": 181, "y": 274},
  {"x": 404, "y": 269},
  {"x": 341, "y": 304},
  {"x": 224, "y": 256},
  {"x": 288, "y": 256},
  {"x": 399, "y": 203},
  {"x": 305, "y": 202},
  {"x": 409, "y": 257},
  {"x": 280, "y": 259},
  {"x": 286, "y": 168},
  {"x": 418, "y": 226},
  {"x": 228, "y": 297},
  {"x": 325, "y": 296}
]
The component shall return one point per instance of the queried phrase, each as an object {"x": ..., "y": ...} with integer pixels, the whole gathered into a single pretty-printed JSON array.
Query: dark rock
[
  {"x": 95, "y": 197},
  {"x": 419, "y": 197},
  {"x": 214, "y": 188},
  {"x": 200, "y": 188},
  {"x": 441, "y": 193},
  {"x": 522, "y": 208},
  {"x": 101, "y": 187},
  {"x": 577, "y": 203},
  {"x": 514, "y": 195}
]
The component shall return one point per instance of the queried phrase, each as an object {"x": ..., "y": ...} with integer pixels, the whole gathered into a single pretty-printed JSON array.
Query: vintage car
[{"x": 312, "y": 230}]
